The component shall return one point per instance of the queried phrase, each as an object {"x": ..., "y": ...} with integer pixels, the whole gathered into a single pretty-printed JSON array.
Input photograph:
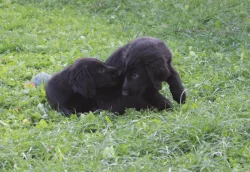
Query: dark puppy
[
  {"x": 145, "y": 63},
  {"x": 112, "y": 100},
  {"x": 73, "y": 89}
]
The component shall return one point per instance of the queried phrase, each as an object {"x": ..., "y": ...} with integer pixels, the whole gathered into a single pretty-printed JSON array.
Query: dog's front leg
[
  {"x": 65, "y": 111},
  {"x": 156, "y": 100},
  {"x": 175, "y": 85}
]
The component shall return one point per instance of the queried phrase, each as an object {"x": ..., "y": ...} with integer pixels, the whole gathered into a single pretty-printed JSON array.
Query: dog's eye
[
  {"x": 102, "y": 70},
  {"x": 135, "y": 76}
]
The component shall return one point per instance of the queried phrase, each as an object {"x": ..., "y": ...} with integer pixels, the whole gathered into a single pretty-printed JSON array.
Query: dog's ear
[
  {"x": 82, "y": 82},
  {"x": 157, "y": 75}
]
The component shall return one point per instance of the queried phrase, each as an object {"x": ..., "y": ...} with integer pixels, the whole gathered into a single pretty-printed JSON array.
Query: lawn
[{"x": 210, "y": 41}]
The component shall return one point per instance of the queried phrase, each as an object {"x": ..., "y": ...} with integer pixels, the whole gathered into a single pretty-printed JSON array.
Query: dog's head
[
  {"x": 136, "y": 81},
  {"x": 139, "y": 78},
  {"x": 87, "y": 74},
  {"x": 146, "y": 61}
]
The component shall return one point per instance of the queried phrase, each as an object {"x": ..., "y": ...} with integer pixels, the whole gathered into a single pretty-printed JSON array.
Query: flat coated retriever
[
  {"x": 145, "y": 63},
  {"x": 74, "y": 89},
  {"x": 111, "y": 99}
]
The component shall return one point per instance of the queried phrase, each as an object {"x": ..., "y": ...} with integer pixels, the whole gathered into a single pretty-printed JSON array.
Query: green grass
[{"x": 210, "y": 41}]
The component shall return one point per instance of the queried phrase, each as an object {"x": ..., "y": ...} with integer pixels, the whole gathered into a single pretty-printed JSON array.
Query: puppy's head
[
  {"x": 139, "y": 78},
  {"x": 87, "y": 74},
  {"x": 147, "y": 57},
  {"x": 136, "y": 81}
]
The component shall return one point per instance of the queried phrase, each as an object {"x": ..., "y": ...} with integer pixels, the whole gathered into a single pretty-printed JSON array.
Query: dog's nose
[
  {"x": 116, "y": 73},
  {"x": 125, "y": 92},
  {"x": 119, "y": 72}
]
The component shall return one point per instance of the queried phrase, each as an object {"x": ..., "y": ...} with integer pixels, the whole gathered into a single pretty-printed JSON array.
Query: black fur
[
  {"x": 74, "y": 89},
  {"x": 112, "y": 99},
  {"x": 145, "y": 63}
]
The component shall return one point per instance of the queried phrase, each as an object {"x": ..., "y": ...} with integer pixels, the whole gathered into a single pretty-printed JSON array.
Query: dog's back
[{"x": 58, "y": 89}]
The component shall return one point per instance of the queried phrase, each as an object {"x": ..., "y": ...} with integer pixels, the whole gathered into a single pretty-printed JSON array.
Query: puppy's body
[
  {"x": 74, "y": 89},
  {"x": 145, "y": 63},
  {"x": 111, "y": 99},
  {"x": 63, "y": 98}
]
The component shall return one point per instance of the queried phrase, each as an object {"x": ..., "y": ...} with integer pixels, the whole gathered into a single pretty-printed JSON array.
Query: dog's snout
[
  {"x": 119, "y": 72},
  {"x": 112, "y": 69},
  {"x": 125, "y": 92},
  {"x": 125, "y": 89},
  {"x": 115, "y": 73}
]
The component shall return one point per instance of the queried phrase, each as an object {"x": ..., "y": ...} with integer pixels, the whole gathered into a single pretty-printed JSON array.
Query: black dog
[
  {"x": 74, "y": 89},
  {"x": 112, "y": 100},
  {"x": 145, "y": 63}
]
